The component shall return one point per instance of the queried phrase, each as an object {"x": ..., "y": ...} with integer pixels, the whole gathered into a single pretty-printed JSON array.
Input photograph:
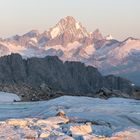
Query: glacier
[{"x": 108, "y": 117}]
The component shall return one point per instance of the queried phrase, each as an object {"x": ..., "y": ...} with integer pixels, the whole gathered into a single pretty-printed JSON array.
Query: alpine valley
[{"x": 70, "y": 41}]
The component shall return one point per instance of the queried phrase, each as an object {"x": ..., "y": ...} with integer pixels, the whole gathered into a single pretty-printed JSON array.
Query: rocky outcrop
[
  {"x": 29, "y": 93},
  {"x": 42, "y": 77},
  {"x": 136, "y": 93},
  {"x": 41, "y": 129},
  {"x": 81, "y": 129},
  {"x": 106, "y": 93}
]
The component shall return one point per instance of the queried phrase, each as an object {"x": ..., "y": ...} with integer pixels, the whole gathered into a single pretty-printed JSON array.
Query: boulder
[
  {"x": 81, "y": 129},
  {"x": 136, "y": 93},
  {"x": 27, "y": 133},
  {"x": 17, "y": 122},
  {"x": 44, "y": 135},
  {"x": 54, "y": 121},
  {"x": 61, "y": 114}
]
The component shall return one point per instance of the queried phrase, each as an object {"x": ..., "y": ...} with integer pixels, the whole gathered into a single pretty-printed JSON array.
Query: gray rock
[{"x": 43, "y": 75}]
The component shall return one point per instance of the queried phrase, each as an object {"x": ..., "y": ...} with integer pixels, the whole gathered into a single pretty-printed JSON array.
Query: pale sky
[{"x": 121, "y": 18}]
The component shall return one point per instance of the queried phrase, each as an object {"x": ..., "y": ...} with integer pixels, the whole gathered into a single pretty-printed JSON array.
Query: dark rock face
[
  {"x": 136, "y": 93},
  {"x": 106, "y": 93},
  {"x": 12, "y": 69},
  {"x": 3, "y": 50},
  {"x": 72, "y": 78},
  {"x": 29, "y": 93}
]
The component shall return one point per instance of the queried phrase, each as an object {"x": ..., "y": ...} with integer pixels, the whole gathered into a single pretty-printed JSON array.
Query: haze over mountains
[{"x": 70, "y": 41}]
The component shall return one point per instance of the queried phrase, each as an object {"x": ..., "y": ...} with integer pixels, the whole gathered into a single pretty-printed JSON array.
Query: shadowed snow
[
  {"x": 106, "y": 116},
  {"x": 8, "y": 97}
]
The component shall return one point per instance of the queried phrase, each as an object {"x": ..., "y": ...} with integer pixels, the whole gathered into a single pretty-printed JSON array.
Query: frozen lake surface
[{"x": 108, "y": 116}]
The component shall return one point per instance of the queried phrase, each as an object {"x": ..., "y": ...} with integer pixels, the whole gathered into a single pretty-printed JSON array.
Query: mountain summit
[
  {"x": 70, "y": 41},
  {"x": 67, "y": 30},
  {"x": 68, "y": 26}
]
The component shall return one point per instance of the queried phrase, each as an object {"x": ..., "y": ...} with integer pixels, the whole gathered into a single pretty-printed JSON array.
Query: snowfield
[
  {"x": 79, "y": 118},
  {"x": 8, "y": 97}
]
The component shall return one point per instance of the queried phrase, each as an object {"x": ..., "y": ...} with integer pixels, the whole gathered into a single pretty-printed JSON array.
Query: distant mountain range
[{"x": 70, "y": 41}]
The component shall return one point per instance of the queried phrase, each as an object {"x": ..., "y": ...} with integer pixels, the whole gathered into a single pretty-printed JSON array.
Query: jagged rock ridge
[{"x": 69, "y": 77}]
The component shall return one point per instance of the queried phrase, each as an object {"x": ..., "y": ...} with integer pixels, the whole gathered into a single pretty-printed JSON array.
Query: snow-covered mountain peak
[
  {"x": 32, "y": 33},
  {"x": 15, "y": 37},
  {"x": 67, "y": 19},
  {"x": 131, "y": 44},
  {"x": 69, "y": 26},
  {"x": 131, "y": 39},
  {"x": 67, "y": 22},
  {"x": 96, "y": 35}
]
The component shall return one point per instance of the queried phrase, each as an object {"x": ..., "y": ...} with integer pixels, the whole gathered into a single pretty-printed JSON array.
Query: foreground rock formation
[
  {"x": 56, "y": 128},
  {"x": 49, "y": 77}
]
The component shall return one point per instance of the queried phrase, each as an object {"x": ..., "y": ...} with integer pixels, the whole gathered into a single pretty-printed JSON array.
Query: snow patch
[
  {"x": 125, "y": 49},
  {"x": 77, "y": 25},
  {"x": 13, "y": 48},
  {"x": 73, "y": 45},
  {"x": 8, "y": 97},
  {"x": 109, "y": 37},
  {"x": 89, "y": 49},
  {"x": 70, "y": 47},
  {"x": 55, "y": 32},
  {"x": 56, "y": 47},
  {"x": 34, "y": 39}
]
